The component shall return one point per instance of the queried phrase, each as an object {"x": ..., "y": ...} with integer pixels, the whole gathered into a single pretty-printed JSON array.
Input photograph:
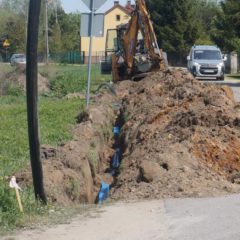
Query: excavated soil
[
  {"x": 73, "y": 171},
  {"x": 17, "y": 78},
  {"x": 179, "y": 138}
]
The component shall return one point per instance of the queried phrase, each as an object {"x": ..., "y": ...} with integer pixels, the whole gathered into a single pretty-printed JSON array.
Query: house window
[{"x": 118, "y": 17}]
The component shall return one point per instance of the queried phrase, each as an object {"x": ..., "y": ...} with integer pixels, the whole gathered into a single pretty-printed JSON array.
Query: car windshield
[
  {"x": 207, "y": 55},
  {"x": 20, "y": 56}
]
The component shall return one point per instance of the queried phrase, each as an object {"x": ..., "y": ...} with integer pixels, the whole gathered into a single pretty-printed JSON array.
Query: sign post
[
  {"x": 6, "y": 45},
  {"x": 90, "y": 55},
  {"x": 91, "y": 25}
]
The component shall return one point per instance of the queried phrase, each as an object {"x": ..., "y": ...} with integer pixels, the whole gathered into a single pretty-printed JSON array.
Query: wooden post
[{"x": 19, "y": 200}]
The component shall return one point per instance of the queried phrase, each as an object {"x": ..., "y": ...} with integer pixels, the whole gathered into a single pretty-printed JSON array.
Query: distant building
[{"x": 115, "y": 13}]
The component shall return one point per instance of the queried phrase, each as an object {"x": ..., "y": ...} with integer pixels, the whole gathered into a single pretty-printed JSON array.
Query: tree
[
  {"x": 226, "y": 33},
  {"x": 205, "y": 11},
  {"x": 55, "y": 44},
  {"x": 174, "y": 23},
  {"x": 63, "y": 28},
  {"x": 70, "y": 27},
  {"x": 13, "y": 22}
]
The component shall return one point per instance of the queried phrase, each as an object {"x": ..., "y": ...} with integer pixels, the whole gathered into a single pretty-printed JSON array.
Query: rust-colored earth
[{"x": 180, "y": 138}]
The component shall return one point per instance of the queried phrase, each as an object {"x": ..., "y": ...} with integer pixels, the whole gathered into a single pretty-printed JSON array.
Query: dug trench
[{"x": 179, "y": 138}]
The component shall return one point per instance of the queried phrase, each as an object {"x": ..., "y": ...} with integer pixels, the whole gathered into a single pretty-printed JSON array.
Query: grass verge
[
  {"x": 57, "y": 117},
  {"x": 65, "y": 79}
]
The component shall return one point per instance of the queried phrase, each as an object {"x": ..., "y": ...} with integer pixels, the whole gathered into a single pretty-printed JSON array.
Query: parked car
[
  {"x": 206, "y": 62},
  {"x": 17, "y": 59}
]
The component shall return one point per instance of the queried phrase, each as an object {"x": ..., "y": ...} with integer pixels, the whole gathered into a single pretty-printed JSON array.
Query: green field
[
  {"x": 56, "y": 117},
  {"x": 72, "y": 78}
]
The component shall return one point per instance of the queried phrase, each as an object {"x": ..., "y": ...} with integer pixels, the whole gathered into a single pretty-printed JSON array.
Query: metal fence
[{"x": 72, "y": 57}]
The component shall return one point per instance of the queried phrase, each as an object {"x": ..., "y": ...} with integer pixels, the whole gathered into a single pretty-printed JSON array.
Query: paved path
[{"x": 185, "y": 219}]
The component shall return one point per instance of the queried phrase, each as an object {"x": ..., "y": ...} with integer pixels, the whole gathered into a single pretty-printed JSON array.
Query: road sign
[
  {"x": 98, "y": 20},
  {"x": 97, "y": 4},
  {"x": 6, "y": 43},
  {"x": 91, "y": 25}
]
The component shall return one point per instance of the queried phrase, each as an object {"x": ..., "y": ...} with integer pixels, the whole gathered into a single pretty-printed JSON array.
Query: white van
[{"x": 206, "y": 62}]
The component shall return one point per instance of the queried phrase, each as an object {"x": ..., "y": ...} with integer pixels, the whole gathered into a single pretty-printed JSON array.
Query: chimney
[{"x": 116, "y": 3}]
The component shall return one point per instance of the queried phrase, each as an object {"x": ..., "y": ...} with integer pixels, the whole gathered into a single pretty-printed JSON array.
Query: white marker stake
[{"x": 13, "y": 184}]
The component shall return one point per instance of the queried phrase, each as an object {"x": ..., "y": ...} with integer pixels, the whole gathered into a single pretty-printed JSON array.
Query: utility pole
[
  {"x": 46, "y": 33},
  {"x": 32, "y": 99},
  {"x": 90, "y": 54},
  {"x": 26, "y": 19}
]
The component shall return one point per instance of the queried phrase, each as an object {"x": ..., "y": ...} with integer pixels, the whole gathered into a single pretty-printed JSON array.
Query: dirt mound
[
  {"x": 73, "y": 172},
  {"x": 17, "y": 78},
  {"x": 181, "y": 138}
]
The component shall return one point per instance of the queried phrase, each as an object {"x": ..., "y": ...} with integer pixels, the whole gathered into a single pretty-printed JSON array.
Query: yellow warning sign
[{"x": 6, "y": 43}]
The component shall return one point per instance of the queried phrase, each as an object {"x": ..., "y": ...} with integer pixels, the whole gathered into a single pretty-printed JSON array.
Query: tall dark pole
[
  {"x": 32, "y": 99},
  {"x": 46, "y": 33}
]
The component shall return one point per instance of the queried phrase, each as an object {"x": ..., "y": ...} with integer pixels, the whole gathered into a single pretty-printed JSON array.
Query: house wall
[{"x": 110, "y": 22}]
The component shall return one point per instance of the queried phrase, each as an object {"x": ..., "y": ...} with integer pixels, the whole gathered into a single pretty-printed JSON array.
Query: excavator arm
[
  {"x": 140, "y": 21},
  {"x": 137, "y": 48}
]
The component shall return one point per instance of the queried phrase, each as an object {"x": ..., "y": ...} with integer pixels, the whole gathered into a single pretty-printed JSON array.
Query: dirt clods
[
  {"x": 179, "y": 138},
  {"x": 182, "y": 138}
]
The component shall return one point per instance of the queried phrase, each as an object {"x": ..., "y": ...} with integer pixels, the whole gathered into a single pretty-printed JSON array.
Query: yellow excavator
[{"x": 132, "y": 50}]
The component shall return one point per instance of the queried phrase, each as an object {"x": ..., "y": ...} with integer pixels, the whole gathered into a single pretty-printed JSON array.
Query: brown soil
[
  {"x": 17, "y": 78},
  {"x": 180, "y": 138},
  {"x": 73, "y": 172}
]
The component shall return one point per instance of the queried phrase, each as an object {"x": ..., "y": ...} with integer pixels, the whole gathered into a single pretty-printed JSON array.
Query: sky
[{"x": 77, "y": 5}]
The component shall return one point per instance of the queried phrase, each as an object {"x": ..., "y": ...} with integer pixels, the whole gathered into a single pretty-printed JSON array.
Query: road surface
[{"x": 174, "y": 219}]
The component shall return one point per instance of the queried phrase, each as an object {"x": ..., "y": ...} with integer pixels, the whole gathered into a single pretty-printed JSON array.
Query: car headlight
[
  {"x": 196, "y": 64},
  {"x": 220, "y": 65}
]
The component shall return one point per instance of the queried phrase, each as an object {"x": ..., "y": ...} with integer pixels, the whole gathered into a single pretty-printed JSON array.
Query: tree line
[
  {"x": 181, "y": 23},
  {"x": 178, "y": 24},
  {"x": 63, "y": 28}
]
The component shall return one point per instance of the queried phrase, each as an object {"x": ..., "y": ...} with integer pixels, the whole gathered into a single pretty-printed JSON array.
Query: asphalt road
[
  {"x": 204, "y": 219},
  {"x": 173, "y": 219}
]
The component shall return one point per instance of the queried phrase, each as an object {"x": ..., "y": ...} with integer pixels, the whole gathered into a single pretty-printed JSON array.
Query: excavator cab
[
  {"x": 112, "y": 46},
  {"x": 132, "y": 49}
]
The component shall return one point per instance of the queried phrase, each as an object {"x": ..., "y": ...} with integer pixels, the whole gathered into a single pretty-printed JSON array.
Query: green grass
[
  {"x": 57, "y": 118},
  {"x": 66, "y": 79}
]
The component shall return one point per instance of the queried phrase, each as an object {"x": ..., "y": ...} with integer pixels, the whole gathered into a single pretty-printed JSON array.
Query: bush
[
  {"x": 15, "y": 91},
  {"x": 68, "y": 82}
]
